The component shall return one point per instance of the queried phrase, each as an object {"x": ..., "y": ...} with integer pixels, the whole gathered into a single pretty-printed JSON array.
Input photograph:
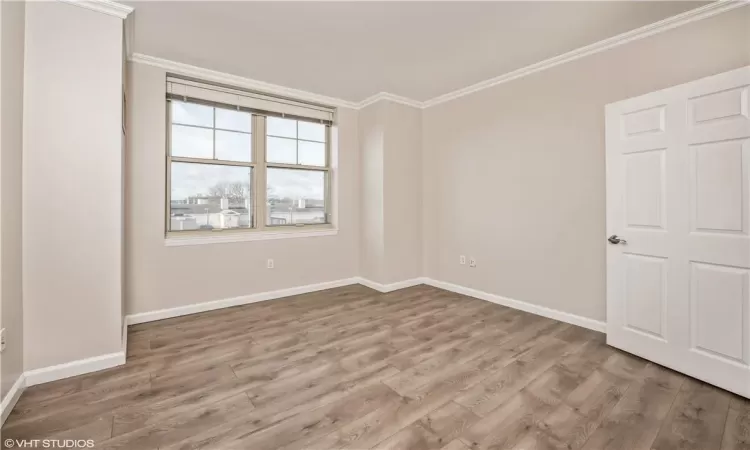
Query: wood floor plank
[
  {"x": 433, "y": 432},
  {"x": 214, "y": 386},
  {"x": 527, "y": 405},
  {"x": 292, "y": 404},
  {"x": 438, "y": 390},
  {"x": 737, "y": 430},
  {"x": 636, "y": 419},
  {"x": 696, "y": 420},
  {"x": 177, "y": 425},
  {"x": 455, "y": 445},
  {"x": 303, "y": 429},
  {"x": 571, "y": 424},
  {"x": 351, "y": 368},
  {"x": 501, "y": 386}
]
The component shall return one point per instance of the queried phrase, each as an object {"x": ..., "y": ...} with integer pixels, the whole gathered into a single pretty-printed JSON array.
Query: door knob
[{"x": 615, "y": 240}]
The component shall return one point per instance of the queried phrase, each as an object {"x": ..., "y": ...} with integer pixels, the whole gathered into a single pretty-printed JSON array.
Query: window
[
  {"x": 224, "y": 161},
  {"x": 295, "y": 184}
]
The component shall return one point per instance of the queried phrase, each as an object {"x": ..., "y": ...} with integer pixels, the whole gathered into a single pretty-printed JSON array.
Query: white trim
[
  {"x": 238, "y": 81},
  {"x": 218, "y": 238},
  {"x": 74, "y": 368},
  {"x": 669, "y": 23},
  {"x": 124, "y": 336},
  {"x": 543, "y": 311},
  {"x": 129, "y": 35},
  {"x": 11, "y": 398},
  {"x": 390, "y": 287},
  {"x": 103, "y": 6},
  {"x": 693, "y": 15},
  {"x": 161, "y": 314},
  {"x": 390, "y": 97}
]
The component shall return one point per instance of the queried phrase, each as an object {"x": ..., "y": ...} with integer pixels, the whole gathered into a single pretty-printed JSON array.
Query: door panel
[
  {"x": 645, "y": 294},
  {"x": 645, "y": 121},
  {"x": 644, "y": 189},
  {"x": 730, "y": 104},
  {"x": 719, "y": 298},
  {"x": 717, "y": 111},
  {"x": 678, "y": 191},
  {"x": 717, "y": 187}
]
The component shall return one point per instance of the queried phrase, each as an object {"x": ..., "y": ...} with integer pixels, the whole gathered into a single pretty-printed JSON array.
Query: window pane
[
  {"x": 281, "y": 150},
  {"x": 312, "y": 131},
  {"x": 312, "y": 153},
  {"x": 295, "y": 196},
  {"x": 192, "y": 114},
  {"x": 192, "y": 142},
  {"x": 233, "y": 120},
  {"x": 281, "y": 127},
  {"x": 231, "y": 146},
  {"x": 208, "y": 196}
]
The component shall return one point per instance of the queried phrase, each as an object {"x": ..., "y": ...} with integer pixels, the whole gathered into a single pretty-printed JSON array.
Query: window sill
[{"x": 219, "y": 238}]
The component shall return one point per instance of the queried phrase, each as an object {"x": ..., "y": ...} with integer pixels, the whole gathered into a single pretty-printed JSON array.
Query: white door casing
[{"x": 678, "y": 191}]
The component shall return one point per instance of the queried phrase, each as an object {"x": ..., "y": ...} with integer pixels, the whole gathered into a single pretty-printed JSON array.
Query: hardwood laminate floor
[{"x": 351, "y": 368}]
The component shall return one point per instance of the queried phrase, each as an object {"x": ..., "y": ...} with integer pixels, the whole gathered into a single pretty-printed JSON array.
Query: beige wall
[
  {"x": 11, "y": 146},
  {"x": 372, "y": 233},
  {"x": 161, "y": 277},
  {"x": 403, "y": 192},
  {"x": 516, "y": 172},
  {"x": 391, "y": 197},
  {"x": 72, "y": 184}
]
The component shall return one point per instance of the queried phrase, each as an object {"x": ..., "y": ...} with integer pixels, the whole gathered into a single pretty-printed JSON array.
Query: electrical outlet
[
  {"x": 269, "y": 264},
  {"x": 2, "y": 340},
  {"x": 462, "y": 259},
  {"x": 472, "y": 262}
]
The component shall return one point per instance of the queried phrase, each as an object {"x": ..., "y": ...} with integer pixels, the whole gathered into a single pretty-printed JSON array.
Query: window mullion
[
  {"x": 168, "y": 178},
  {"x": 259, "y": 130},
  {"x": 328, "y": 194},
  {"x": 296, "y": 142},
  {"x": 213, "y": 131}
]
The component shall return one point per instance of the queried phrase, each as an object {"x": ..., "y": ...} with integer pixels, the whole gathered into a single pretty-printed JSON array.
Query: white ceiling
[{"x": 352, "y": 50}]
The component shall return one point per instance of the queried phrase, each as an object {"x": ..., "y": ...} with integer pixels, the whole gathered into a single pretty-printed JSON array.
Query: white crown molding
[
  {"x": 669, "y": 23},
  {"x": 236, "y": 80},
  {"x": 103, "y": 6},
  {"x": 390, "y": 97}
]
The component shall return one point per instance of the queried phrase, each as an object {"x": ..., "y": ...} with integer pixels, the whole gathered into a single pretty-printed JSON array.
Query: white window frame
[{"x": 259, "y": 165}]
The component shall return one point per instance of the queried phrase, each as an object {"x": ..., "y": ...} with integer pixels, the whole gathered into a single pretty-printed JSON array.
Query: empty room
[{"x": 423, "y": 225}]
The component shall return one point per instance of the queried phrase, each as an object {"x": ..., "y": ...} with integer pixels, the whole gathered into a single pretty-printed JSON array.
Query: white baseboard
[
  {"x": 574, "y": 319},
  {"x": 124, "y": 336},
  {"x": 270, "y": 295},
  {"x": 11, "y": 398},
  {"x": 390, "y": 287},
  {"x": 161, "y": 314},
  {"x": 74, "y": 368}
]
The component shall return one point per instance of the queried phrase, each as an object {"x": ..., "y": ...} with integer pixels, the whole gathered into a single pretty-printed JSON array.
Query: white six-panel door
[{"x": 678, "y": 201}]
